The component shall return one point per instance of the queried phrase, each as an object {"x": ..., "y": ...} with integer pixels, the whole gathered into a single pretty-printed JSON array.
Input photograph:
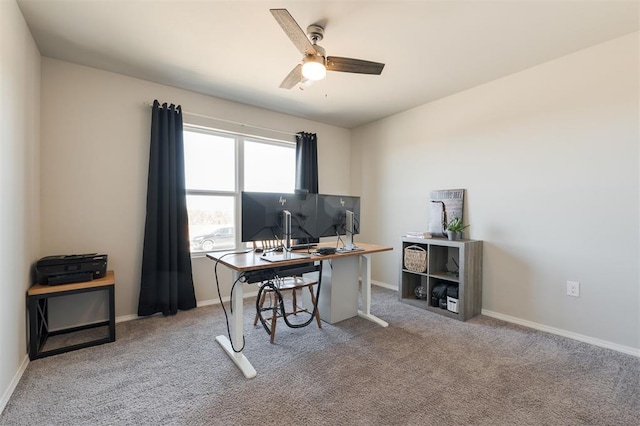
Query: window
[{"x": 218, "y": 166}]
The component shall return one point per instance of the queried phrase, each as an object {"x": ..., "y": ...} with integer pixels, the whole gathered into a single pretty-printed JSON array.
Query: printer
[{"x": 72, "y": 268}]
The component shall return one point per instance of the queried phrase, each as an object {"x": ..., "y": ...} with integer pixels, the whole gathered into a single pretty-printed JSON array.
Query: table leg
[
  {"x": 236, "y": 333},
  {"x": 112, "y": 313},
  {"x": 366, "y": 292},
  {"x": 34, "y": 337}
]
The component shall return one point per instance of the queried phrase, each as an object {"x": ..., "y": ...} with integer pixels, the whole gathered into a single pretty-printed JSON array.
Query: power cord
[
  {"x": 226, "y": 316},
  {"x": 280, "y": 304}
]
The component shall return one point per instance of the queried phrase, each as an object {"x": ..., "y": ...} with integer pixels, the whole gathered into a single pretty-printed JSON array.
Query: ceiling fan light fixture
[
  {"x": 313, "y": 68},
  {"x": 315, "y": 61}
]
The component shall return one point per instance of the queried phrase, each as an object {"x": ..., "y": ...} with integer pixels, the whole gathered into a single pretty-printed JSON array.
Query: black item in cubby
[
  {"x": 438, "y": 295},
  {"x": 452, "y": 291}
]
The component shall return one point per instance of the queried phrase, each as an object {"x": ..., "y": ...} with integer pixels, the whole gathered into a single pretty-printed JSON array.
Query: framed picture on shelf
[{"x": 444, "y": 205}]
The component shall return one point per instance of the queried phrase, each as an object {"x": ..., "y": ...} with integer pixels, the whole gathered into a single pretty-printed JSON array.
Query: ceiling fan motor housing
[{"x": 315, "y": 33}]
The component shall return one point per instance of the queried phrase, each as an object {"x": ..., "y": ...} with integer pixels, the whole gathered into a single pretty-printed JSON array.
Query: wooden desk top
[
  {"x": 242, "y": 261},
  {"x": 37, "y": 289}
]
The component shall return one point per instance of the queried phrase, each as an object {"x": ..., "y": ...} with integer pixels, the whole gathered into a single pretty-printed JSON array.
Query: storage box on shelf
[{"x": 451, "y": 267}]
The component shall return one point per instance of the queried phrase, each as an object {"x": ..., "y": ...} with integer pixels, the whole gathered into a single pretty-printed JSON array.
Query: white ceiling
[{"x": 235, "y": 49}]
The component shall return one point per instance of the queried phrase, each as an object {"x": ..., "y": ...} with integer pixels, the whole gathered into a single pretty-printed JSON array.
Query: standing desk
[{"x": 338, "y": 298}]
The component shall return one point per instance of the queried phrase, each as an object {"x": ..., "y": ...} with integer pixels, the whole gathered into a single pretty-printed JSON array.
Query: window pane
[
  {"x": 211, "y": 222},
  {"x": 209, "y": 161},
  {"x": 269, "y": 167}
]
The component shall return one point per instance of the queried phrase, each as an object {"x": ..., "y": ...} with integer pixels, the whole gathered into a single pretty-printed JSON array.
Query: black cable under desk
[{"x": 250, "y": 262}]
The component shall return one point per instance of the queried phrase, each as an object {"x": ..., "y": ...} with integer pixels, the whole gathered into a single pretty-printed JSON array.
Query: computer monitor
[
  {"x": 338, "y": 215},
  {"x": 264, "y": 216}
]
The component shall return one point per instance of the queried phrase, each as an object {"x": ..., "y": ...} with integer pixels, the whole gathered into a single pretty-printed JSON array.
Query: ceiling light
[{"x": 313, "y": 68}]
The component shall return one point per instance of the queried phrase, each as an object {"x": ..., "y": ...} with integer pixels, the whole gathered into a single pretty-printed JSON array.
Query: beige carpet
[{"x": 423, "y": 369}]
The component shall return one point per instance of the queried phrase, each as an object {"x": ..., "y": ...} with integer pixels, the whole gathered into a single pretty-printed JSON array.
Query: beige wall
[
  {"x": 19, "y": 180},
  {"x": 95, "y": 148},
  {"x": 549, "y": 158}
]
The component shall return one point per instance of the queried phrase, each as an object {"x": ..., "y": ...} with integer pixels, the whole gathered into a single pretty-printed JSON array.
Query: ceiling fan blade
[
  {"x": 293, "y": 31},
  {"x": 336, "y": 63},
  {"x": 294, "y": 77}
]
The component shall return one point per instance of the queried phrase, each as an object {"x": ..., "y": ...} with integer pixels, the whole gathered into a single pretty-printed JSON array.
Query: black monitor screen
[
  {"x": 332, "y": 214},
  {"x": 262, "y": 215}
]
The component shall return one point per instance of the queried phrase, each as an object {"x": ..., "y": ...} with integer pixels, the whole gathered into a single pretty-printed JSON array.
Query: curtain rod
[{"x": 229, "y": 121}]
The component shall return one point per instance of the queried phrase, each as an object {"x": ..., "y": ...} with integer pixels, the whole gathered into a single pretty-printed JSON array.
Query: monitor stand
[
  {"x": 351, "y": 250},
  {"x": 286, "y": 237},
  {"x": 349, "y": 245}
]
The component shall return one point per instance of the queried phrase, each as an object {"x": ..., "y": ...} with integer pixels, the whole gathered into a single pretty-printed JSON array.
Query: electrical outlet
[{"x": 573, "y": 288}]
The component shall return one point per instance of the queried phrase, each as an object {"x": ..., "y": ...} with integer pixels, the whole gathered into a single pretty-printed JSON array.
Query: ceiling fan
[{"x": 315, "y": 63}]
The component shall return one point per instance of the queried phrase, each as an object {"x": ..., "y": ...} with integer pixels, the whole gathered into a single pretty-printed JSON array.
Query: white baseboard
[
  {"x": 131, "y": 317},
  {"x": 14, "y": 382},
  {"x": 385, "y": 285},
  {"x": 246, "y": 295},
  {"x": 124, "y": 318},
  {"x": 564, "y": 333}
]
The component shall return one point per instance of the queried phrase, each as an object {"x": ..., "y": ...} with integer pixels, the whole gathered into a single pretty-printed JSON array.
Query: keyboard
[
  {"x": 303, "y": 246},
  {"x": 326, "y": 250}
]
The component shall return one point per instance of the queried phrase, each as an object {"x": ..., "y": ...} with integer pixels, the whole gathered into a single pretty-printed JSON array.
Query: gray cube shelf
[{"x": 467, "y": 254}]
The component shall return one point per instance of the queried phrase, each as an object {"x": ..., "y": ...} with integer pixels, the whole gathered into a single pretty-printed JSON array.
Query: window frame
[{"x": 239, "y": 158}]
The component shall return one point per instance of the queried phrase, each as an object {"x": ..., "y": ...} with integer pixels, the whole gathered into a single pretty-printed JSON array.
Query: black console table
[{"x": 37, "y": 300}]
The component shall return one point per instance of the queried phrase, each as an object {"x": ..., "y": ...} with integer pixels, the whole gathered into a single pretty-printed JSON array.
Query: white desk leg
[
  {"x": 366, "y": 292},
  {"x": 237, "y": 333}
]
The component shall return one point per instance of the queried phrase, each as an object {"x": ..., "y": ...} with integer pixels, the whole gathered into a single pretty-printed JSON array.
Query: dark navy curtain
[
  {"x": 166, "y": 282},
  {"x": 307, "y": 162}
]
